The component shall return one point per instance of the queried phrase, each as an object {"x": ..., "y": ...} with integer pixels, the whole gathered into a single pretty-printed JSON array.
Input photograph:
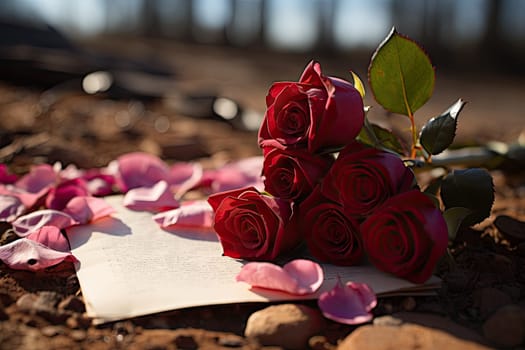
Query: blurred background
[{"x": 214, "y": 60}]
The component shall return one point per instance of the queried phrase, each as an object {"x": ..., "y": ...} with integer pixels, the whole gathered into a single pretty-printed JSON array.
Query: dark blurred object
[{"x": 36, "y": 54}]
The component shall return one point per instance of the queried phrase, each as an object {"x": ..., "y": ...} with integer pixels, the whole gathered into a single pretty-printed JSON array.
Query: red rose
[
  {"x": 292, "y": 174},
  {"x": 331, "y": 236},
  {"x": 406, "y": 236},
  {"x": 362, "y": 178},
  {"x": 253, "y": 226},
  {"x": 318, "y": 113},
  {"x": 59, "y": 196}
]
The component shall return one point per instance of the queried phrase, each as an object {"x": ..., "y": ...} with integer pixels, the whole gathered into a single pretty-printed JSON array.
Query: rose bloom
[
  {"x": 331, "y": 236},
  {"x": 292, "y": 174},
  {"x": 406, "y": 236},
  {"x": 363, "y": 178},
  {"x": 59, "y": 196},
  {"x": 318, "y": 113},
  {"x": 253, "y": 226}
]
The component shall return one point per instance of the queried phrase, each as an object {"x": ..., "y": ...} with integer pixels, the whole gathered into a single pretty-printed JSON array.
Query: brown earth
[{"x": 44, "y": 310}]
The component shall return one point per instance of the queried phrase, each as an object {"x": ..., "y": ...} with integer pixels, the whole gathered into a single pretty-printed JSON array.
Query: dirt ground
[{"x": 44, "y": 310}]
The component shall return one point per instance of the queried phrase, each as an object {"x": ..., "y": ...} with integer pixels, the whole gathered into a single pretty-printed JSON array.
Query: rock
[
  {"x": 186, "y": 342},
  {"x": 506, "y": 327},
  {"x": 26, "y": 302},
  {"x": 387, "y": 321},
  {"x": 3, "y": 315},
  {"x": 78, "y": 335},
  {"x": 231, "y": 341},
  {"x": 46, "y": 300},
  {"x": 286, "y": 325},
  {"x": 319, "y": 342},
  {"x": 51, "y": 331},
  {"x": 489, "y": 299},
  {"x": 407, "y": 337}
]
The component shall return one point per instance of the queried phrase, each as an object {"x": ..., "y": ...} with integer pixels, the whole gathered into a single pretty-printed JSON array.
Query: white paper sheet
[{"x": 129, "y": 267}]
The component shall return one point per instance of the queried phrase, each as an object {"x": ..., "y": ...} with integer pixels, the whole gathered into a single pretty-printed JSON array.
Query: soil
[{"x": 45, "y": 310}]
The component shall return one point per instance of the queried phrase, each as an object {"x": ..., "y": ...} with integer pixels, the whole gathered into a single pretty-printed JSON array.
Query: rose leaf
[
  {"x": 438, "y": 133},
  {"x": 26, "y": 254},
  {"x": 401, "y": 75},
  {"x": 454, "y": 217},
  {"x": 298, "y": 277},
  {"x": 348, "y": 304},
  {"x": 469, "y": 188},
  {"x": 379, "y": 137}
]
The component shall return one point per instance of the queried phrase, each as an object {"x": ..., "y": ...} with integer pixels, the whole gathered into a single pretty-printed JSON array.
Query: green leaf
[
  {"x": 378, "y": 137},
  {"x": 401, "y": 75},
  {"x": 438, "y": 133},
  {"x": 454, "y": 218},
  {"x": 469, "y": 188}
]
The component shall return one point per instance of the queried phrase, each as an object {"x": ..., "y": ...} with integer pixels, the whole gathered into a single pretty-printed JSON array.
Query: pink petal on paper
[
  {"x": 184, "y": 177},
  {"x": 11, "y": 207},
  {"x": 51, "y": 237},
  {"x": 298, "y": 277},
  {"x": 155, "y": 199},
  {"x": 197, "y": 214},
  {"x": 139, "y": 169},
  {"x": 40, "y": 177},
  {"x": 32, "y": 222},
  {"x": 25, "y": 254},
  {"x": 86, "y": 209},
  {"x": 348, "y": 304},
  {"x": 243, "y": 173}
]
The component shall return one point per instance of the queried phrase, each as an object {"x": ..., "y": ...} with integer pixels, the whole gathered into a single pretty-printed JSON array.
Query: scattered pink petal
[
  {"x": 154, "y": 199},
  {"x": 86, "y": 209},
  {"x": 297, "y": 277},
  {"x": 184, "y": 177},
  {"x": 243, "y": 173},
  {"x": 5, "y": 176},
  {"x": 60, "y": 195},
  {"x": 349, "y": 304},
  {"x": 51, "y": 237},
  {"x": 40, "y": 177},
  {"x": 99, "y": 184},
  {"x": 197, "y": 214},
  {"x": 139, "y": 170},
  {"x": 11, "y": 207},
  {"x": 26, "y": 254},
  {"x": 28, "y": 199},
  {"x": 32, "y": 222}
]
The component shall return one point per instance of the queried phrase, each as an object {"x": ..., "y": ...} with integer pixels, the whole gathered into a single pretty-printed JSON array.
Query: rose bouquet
[{"x": 345, "y": 188}]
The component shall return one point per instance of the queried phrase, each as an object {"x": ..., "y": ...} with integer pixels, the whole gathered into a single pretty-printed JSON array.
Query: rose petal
[
  {"x": 86, "y": 209},
  {"x": 39, "y": 177},
  {"x": 5, "y": 176},
  {"x": 26, "y": 254},
  {"x": 197, "y": 214},
  {"x": 139, "y": 169},
  {"x": 297, "y": 277},
  {"x": 11, "y": 207},
  {"x": 243, "y": 173},
  {"x": 155, "y": 199},
  {"x": 32, "y": 222},
  {"x": 51, "y": 237},
  {"x": 349, "y": 304}
]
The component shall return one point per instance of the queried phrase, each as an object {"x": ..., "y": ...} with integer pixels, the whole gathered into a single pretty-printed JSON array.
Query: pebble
[
  {"x": 406, "y": 336},
  {"x": 286, "y": 325},
  {"x": 319, "y": 342},
  {"x": 51, "y": 331},
  {"x": 186, "y": 342},
  {"x": 25, "y": 302},
  {"x": 387, "y": 321},
  {"x": 506, "y": 327},
  {"x": 231, "y": 341},
  {"x": 78, "y": 335},
  {"x": 3, "y": 315},
  {"x": 46, "y": 300}
]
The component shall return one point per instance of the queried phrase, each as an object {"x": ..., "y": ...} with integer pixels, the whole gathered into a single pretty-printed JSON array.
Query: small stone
[
  {"x": 406, "y": 336},
  {"x": 186, "y": 342},
  {"x": 51, "y": 331},
  {"x": 506, "y": 327},
  {"x": 72, "y": 303},
  {"x": 46, "y": 300},
  {"x": 387, "y": 321},
  {"x": 78, "y": 335},
  {"x": 77, "y": 321},
  {"x": 408, "y": 304},
  {"x": 286, "y": 325},
  {"x": 3, "y": 315},
  {"x": 319, "y": 342},
  {"x": 231, "y": 341},
  {"x": 26, "y": 303}
]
